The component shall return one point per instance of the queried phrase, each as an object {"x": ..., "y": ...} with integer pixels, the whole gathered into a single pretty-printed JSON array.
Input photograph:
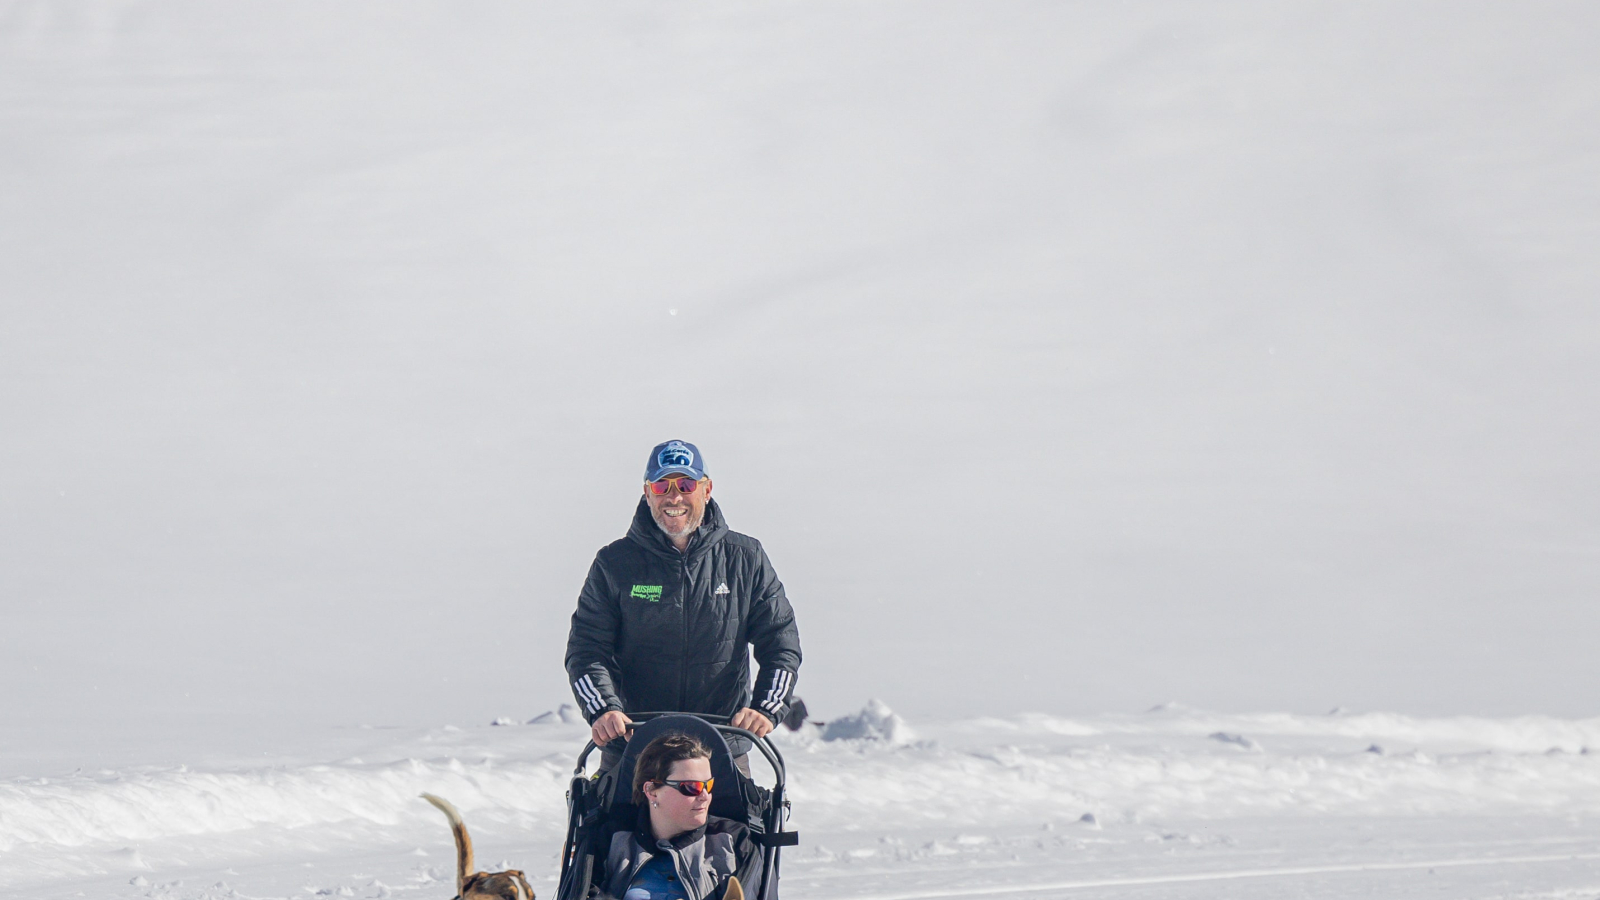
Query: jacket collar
[
  {"x": 645, "y": 532},
  {"x": 647, "y": 838}
]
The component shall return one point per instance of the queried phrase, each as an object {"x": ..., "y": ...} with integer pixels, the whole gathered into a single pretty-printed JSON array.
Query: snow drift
[{"x": 1036, "y": 768}]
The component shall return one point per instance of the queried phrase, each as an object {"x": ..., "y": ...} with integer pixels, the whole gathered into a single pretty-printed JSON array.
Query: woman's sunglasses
[
  {"x": 691, "y": 788},
  {"x": 685, "y": 485}
]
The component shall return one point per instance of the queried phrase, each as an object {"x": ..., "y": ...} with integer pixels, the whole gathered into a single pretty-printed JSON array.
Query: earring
[{"x": 654, "y": 804}]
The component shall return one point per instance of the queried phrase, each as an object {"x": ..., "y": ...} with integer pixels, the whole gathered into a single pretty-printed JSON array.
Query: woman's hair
[{"x": 655, "y": 763}]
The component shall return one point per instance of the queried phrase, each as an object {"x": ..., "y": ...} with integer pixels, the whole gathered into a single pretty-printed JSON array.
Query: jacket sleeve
[
  {"x": 750, "y": 866},
  {"x": 592, "y": 644},
  {"x": 776, "y": 640}
]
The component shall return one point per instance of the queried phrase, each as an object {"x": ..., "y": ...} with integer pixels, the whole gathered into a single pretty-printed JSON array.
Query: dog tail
[{"x": 464, "y": 866}]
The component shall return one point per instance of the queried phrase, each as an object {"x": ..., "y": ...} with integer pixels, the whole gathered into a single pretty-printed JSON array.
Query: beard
[{"x": 679, "y": 526}]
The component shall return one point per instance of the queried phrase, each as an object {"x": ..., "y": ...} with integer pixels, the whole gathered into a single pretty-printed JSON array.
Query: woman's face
[{"x": 673, "y": 813}]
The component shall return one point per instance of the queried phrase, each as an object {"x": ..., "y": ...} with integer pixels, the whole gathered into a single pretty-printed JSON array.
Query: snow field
[
  {"x": 1061, "y": 801},
  {"x": 1292, "y": 303}
]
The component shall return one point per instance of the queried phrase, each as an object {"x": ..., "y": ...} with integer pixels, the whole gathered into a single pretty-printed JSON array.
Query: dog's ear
[{"x": 733, "y": 891}]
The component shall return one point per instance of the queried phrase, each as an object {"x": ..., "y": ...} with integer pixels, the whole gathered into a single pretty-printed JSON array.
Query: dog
[{"x": 508, "y": 885}]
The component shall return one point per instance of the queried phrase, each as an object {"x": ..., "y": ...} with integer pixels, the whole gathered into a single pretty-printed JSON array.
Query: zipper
[
  {"x": 691, "y": 888},
  {"x": 683, "y": 600}
]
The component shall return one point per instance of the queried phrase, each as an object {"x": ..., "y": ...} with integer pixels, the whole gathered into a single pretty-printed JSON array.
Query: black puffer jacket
[{"x": 661, "y": 630}]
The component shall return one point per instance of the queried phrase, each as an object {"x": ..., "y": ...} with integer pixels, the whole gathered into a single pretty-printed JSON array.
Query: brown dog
[{"x": 470, "y": 885}]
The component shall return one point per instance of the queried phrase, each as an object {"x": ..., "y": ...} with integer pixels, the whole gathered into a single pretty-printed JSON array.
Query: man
[{"x": 668, "y": 615}]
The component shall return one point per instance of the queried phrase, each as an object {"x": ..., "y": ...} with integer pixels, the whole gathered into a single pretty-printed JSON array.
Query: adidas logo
[{"x": 721, "y": 588}]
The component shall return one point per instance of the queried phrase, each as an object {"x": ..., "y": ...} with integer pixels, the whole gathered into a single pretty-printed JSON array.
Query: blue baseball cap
[{"x": 675, "y": 458}]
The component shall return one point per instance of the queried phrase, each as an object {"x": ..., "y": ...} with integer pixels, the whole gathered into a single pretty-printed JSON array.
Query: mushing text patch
[{"x": 651, "y": 592}]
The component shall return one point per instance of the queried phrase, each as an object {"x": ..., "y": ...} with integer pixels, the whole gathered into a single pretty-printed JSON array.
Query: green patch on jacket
[{"x": 651, "y": 592}]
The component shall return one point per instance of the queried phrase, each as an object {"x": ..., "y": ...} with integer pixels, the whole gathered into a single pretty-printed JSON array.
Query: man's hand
[
  {"x": 609, "y": 727},
  {"x": 751, "y": 721}
]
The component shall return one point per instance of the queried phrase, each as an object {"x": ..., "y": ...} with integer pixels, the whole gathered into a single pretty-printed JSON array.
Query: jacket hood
[{"x": 645, "y": 532}]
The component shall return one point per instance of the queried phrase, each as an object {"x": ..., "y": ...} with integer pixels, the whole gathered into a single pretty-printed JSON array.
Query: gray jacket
[{"x": 703, "y": 858}]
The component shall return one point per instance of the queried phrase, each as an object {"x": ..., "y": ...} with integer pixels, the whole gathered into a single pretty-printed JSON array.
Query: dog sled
[{"x": 597, "y": 807}]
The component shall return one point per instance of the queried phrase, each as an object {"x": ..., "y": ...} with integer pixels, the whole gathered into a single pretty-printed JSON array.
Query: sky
[{"x": 1065, "y": 358}]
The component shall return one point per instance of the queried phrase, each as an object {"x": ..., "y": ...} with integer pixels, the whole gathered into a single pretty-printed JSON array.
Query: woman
[{"x": 677, "y": 850}]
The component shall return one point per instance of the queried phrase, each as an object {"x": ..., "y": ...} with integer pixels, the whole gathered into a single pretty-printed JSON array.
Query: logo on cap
[{"x": 675, "y": 454}]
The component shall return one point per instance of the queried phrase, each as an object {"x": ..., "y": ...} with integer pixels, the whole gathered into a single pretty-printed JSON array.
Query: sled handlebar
[{"x": 774, "y": 758}]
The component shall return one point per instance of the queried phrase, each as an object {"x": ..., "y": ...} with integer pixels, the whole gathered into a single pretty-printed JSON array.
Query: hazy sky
[{"x": 1064, "y": 357}]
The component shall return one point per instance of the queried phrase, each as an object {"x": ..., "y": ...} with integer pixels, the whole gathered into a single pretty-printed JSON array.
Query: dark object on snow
[
  {"x": 599, "y": 807},
  {"x": 797, "y": 714}
]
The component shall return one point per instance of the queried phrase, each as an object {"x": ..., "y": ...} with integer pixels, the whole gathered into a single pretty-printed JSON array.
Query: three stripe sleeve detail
[
  {"x": 778, "y": 693},
  {"x": 591, "y": 697}
]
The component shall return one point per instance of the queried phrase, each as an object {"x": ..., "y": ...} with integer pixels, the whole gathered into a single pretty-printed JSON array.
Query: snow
[
  {"x": 1026, "y": 805},
  {"x": 1064, "y": 356},
  {"x": 565, "y": 714},
  {"x": 875, "y": 722},
  {"x": 333, "y": 337}
]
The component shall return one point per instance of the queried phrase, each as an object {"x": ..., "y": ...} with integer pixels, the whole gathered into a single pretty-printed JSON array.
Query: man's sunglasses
[
  {"x": 685, "y": 485},
  {"x": 691, "y": 788}
]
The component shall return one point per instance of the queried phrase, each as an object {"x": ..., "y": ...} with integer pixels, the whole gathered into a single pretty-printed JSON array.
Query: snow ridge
[
  {"x": 1520, "y": 734},
  {"x": 1117, "y": 767},
  {"x": 1082, "y": 778},
  {"x": 150, "y": 805}
]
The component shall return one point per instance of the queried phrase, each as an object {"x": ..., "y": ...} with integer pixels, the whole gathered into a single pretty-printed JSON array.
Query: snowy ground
[
  {"x": 1169, "y": 803},
  {"x": 331, "y": 336}
]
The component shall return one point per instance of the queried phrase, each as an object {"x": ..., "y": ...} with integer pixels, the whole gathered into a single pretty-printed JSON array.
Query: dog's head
[{"x": 508, "y": 885}]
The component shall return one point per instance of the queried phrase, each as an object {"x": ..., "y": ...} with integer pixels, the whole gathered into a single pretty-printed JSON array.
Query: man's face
[{"x": 676, "y": 513}]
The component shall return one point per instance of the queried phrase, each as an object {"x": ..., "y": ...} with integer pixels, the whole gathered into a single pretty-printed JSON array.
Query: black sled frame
[{"x": 597, "y": 807}]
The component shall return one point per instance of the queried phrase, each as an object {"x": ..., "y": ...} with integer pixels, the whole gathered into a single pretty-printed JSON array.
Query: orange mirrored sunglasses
[
  {"x": 684, "y": 484},
  {"x": 691, "y": 788}
]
